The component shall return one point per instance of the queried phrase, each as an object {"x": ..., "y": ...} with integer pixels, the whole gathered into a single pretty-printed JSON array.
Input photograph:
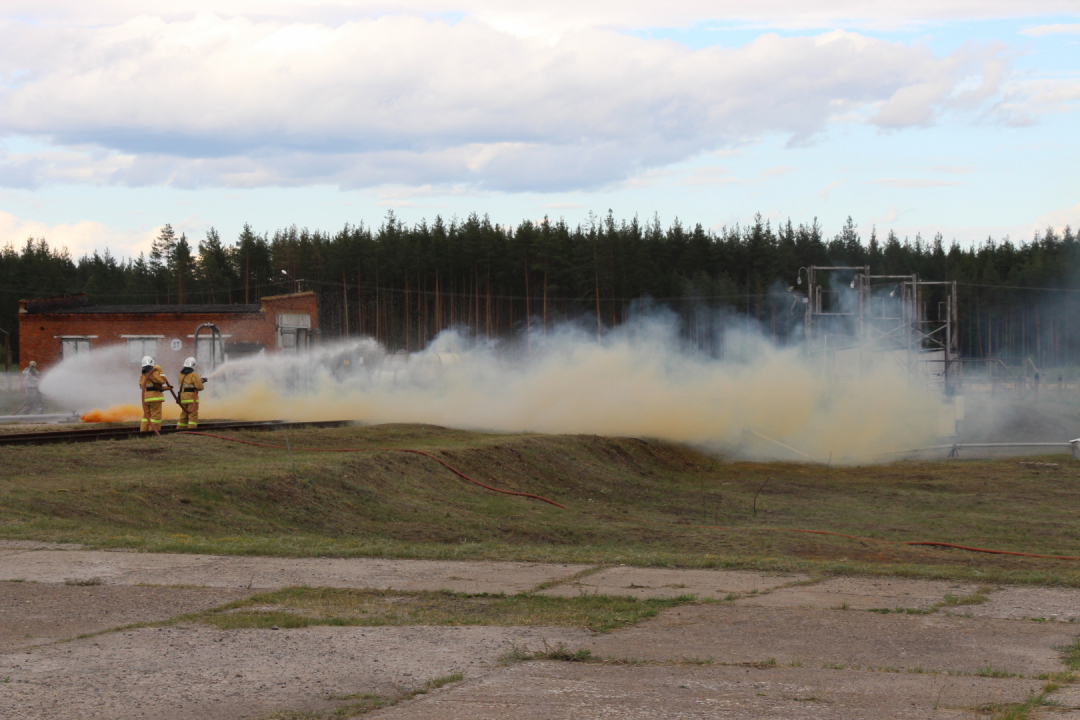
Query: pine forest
[{"x": 404, "y": 284}]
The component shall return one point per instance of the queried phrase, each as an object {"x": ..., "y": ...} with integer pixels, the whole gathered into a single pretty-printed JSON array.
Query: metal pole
[
  {"x": 777, "y": 442},
  {"x": 911, "y": 313},
  {"x": 948, "y": 339},
  {"x": 215, "y": 343},
  {"x": 954, "y": 321},
  {"x": 7, "y": 359},
  {"x": 960, "y": 446}
]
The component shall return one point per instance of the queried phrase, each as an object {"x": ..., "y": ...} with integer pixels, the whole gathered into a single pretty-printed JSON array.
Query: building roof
[
  {"x": 264, "y": 298},
  {"x": 79, "y": 305},
  {"x": 144, "y": 309}
]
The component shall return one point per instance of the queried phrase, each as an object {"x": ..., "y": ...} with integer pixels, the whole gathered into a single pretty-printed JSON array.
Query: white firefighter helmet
[
  {"x": 190, "y": 363},
  {"x": 147, "y": 361}
]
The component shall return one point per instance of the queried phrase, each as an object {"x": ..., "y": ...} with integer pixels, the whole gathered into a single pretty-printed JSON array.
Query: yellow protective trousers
[
  {"x": 190, "y": 385},
  {"x": 189, "y": 413},
  {"x": 154, "y": 405}
]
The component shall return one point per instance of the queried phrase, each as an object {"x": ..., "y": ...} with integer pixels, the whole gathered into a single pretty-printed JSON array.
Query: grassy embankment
[{"x": 630, "y": 501}]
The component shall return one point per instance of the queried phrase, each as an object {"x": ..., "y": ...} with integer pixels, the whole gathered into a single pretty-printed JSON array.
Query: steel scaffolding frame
[{"x": 862, "y": 317}]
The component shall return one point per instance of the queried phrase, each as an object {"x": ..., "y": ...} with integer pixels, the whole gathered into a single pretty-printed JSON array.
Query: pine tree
[
  {"x": 161, "y": 252},
  {"x": 180, "y": 266}
]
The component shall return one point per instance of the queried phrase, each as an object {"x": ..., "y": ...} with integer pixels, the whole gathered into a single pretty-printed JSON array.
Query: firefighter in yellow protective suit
[
  {"x": 152, "y": 383},
  {"x": 190, "y": 384}
]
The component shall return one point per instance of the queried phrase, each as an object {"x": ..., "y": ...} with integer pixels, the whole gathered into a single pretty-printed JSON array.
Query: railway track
[{"x": 123, "y": 433}]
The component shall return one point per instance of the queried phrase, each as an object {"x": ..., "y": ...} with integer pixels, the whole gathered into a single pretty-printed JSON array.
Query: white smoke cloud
[{"x": 115, "y": 380}]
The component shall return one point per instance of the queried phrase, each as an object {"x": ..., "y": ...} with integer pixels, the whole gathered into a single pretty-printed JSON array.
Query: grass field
[{"x": 629, "y": 501}]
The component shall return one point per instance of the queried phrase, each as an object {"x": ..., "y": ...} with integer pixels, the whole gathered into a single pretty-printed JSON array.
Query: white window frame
[
  {"x": 137, "y": 347},
  {"x": 79, "y": 344}
]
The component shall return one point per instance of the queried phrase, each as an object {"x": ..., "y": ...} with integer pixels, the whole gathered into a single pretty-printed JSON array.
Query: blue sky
[{"x": 116, "y": 117}]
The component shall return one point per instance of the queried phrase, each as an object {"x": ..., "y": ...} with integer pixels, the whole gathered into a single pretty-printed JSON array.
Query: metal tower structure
[{"x": 855, "y": 319}]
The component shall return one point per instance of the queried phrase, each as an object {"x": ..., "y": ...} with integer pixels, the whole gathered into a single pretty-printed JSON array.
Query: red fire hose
[
  {"x": 933, "y": 543},
  {"x": 404, "y": 450}
]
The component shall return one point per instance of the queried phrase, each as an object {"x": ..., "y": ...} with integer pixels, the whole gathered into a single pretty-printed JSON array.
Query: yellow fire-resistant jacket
[
  {"x": 189, "y": 382},
  {"x": 155, "y": 383}
]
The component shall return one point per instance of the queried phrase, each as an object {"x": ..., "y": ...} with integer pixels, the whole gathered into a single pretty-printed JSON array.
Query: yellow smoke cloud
[{"x": 629, "y": 385}]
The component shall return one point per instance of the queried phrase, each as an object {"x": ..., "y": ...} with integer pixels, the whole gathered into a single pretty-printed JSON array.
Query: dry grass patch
[
  {"x": 303, "y": 607},
  {"x": 978, "y": 597}
]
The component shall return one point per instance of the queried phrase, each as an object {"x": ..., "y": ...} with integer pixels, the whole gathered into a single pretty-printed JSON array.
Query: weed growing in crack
[{"x": 563, "y": 653}]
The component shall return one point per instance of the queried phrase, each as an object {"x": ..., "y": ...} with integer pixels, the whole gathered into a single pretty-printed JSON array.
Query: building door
[{"x": 294, "y": 332}]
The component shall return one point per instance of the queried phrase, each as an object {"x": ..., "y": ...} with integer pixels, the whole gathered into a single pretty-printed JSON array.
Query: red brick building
[{"x": 54, "y": 328}]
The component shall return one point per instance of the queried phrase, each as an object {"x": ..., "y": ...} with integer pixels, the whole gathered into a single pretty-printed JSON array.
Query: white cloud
[
  {"x": 711, "y": 175},
  {"x": 1058, "y": 219},
  {"x": 719, "y": 175},
  {"x": 388, "y": 194},
  {"x": 954, "y": 169},
  {"x": 888, "y": 217},
  {"x": 824, "y": 193},
  {"x": 80, "y": 238},
  {"x": 775, "y": 172},
  {"x": 1055, "y": 29},
  {"x": 400, "y": 99},
  {"x": 527, "y": 17},
  {"x": 645, "y": 179},
  {"x": 62, "y": 165},
  {"x": 965, "y": 235},
  {"x": 913, "y": 183},
  {"x": 1027, "y": 100}
]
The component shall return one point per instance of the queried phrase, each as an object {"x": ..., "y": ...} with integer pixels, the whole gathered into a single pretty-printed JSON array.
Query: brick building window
[
  {"x": 139, "y": 346},
  {"x": 72, "y": 346}
]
